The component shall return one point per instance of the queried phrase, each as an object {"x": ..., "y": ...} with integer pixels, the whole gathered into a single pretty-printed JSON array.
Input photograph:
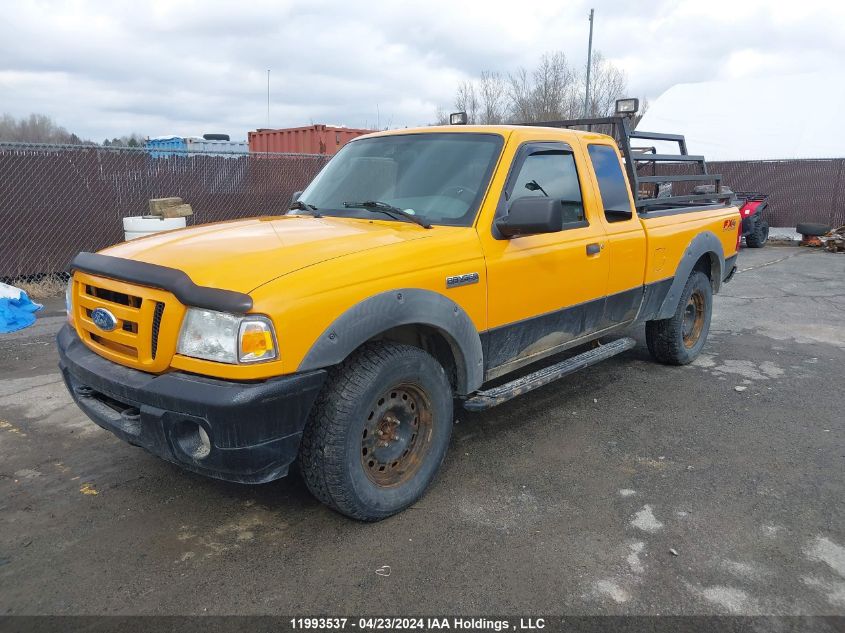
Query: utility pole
[
  {"x": 589, "y": 64},
  {"x": 268, "y": 97}
]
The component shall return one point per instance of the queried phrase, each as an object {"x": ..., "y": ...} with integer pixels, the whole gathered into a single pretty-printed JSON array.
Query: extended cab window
[
  {"x": 612, "y": 184},
  {"x": 550, "y": 173}
]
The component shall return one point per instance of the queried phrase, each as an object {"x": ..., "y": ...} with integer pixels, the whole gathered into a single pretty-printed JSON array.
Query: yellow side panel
[
  {"x": 627, "y": 256},
  {"x": 534, "y": 275},
  {"x": 668, "y": 237},
  {"x": 303, "y": 307},
  {"x": 626, "y": 239}
]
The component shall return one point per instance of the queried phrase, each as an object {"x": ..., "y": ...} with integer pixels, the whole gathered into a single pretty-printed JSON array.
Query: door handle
[{"x": 594, "y": 249}]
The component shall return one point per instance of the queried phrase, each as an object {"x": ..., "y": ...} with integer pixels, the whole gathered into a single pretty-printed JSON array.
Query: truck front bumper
[{"x": 236, "y": 431}]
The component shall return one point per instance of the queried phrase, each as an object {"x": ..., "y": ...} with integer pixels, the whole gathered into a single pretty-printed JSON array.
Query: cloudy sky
[{"x": 108, "y": 68}]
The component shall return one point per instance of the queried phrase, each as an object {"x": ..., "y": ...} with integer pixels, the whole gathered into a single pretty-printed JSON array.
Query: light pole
[
  {"x": 589, "y": 64},
  {"x": 268, "y": 97}
]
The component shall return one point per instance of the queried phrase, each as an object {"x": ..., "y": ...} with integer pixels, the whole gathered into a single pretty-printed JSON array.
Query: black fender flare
[
  {"x": 394, "y": 308},
  {"x": 705, "y": 243}
]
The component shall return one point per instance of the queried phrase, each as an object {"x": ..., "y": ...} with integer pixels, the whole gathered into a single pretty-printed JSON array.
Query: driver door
[{"x": 544, "y": 291}]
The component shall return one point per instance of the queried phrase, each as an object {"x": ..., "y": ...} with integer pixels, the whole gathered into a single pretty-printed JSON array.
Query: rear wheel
[
  {"x": 759, "y": 236},
  {"x": 378, "y": 432},
  {"x": 679, "y": 339}
]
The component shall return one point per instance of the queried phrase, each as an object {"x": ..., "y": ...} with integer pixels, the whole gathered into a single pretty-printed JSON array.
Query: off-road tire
[
  {"x": 330, "y": 454},
  {"x": 759, "y": 236},
  {"x": 812, "y": 229},
  {"x": 666, "y": 337}
]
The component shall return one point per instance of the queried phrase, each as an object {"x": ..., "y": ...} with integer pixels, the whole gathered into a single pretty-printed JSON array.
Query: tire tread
[
  {"x": 321, "y": 452},
  {"x": 664, "y": 337}
]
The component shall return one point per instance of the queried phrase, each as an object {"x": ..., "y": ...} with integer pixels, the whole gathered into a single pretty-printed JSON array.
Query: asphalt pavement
[{"x": 629, "y": 488}]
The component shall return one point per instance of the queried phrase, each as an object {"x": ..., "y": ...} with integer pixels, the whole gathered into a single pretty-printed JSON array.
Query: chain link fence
[
  {"x": 800, "y": 190},
  {"x": 58, "y": 200}
]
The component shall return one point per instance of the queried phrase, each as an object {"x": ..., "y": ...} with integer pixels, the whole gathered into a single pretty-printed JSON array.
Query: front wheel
[
  {"x": 378, "y": 432},
  {"x": 679, "y": 339}
]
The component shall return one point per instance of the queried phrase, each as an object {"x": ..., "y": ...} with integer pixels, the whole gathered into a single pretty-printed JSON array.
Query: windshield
[{"x": 440, "y": 177}]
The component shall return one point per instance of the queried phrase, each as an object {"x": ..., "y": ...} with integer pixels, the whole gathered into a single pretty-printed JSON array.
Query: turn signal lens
[{"x": 256, "y": 341}]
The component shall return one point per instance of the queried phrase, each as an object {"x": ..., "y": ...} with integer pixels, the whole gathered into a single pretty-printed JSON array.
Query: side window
[
  {"x": 551, "y": 173},
  {"x": 612, "y": 184}
]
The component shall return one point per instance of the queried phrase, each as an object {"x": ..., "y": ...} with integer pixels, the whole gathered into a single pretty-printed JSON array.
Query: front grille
[
  {"x": 157, "y": 315},
  {"x": 114, "y": 297},
  {"x": 141, "y": 327}
]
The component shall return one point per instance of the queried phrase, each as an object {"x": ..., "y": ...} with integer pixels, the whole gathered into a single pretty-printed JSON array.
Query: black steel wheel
[
  {"x": 679, "y": 339},
  {"x": 397, "y": 435},
  {"x": 693, "y": 318},
  {"x": 378, "y": 432}
]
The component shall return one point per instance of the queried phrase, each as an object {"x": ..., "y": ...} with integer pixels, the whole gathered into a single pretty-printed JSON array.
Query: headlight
[{"x": 226, "y": 338}]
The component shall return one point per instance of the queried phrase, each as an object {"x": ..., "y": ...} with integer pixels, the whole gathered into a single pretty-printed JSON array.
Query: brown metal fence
[{"x": 56, "y": 201}]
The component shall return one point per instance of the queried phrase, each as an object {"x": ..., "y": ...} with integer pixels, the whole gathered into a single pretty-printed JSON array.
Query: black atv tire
[
  {"x": 679, "y": 339},
  {"x": 759, "y": 236},
  {"x": 378, "y": 432},
  {"x": 812, "y": 228}
]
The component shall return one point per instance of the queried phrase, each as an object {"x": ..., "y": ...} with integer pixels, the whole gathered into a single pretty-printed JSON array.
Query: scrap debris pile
[{"x": 834, "y": 241}]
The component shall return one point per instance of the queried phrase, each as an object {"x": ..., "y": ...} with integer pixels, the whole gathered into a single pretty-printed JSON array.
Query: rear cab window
[{"x": 612, "y": 185}]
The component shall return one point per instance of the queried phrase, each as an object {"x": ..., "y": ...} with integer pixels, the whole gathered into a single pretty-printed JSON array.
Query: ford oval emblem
[{"x": 103, "y": 319}]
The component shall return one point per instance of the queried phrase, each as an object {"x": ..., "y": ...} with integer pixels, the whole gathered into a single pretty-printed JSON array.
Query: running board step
[{"x": 491, "y": 397}]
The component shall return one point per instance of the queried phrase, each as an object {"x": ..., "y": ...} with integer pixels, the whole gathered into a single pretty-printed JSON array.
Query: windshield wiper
[
  {"x": 387, "y": 209},
  {"x": 299, "y": 205}
]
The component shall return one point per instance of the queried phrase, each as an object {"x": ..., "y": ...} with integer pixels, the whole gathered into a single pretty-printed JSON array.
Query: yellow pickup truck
[{"x": 419, "y": 267}]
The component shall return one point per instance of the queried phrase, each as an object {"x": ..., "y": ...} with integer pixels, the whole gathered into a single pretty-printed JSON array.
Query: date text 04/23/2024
[{"x": 417, "y": 624}]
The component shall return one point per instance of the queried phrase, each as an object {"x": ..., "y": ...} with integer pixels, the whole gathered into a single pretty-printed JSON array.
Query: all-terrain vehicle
[{"x": 755, "y": 224}]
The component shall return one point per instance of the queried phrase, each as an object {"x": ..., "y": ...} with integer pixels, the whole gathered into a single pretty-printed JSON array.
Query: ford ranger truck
[{"x": 418, "y": 267}]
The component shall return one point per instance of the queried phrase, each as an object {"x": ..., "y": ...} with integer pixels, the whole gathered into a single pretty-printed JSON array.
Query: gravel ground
[{"x": 630, "y": 488}]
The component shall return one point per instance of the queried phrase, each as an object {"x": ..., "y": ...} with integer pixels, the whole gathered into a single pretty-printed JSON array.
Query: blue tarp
[{"x": 15, "y": 313}]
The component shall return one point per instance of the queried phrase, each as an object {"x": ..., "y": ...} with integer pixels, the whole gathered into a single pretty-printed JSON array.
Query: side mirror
[
  {"x": 295, "y": 196},
  {"x": 531, "y": 216}
]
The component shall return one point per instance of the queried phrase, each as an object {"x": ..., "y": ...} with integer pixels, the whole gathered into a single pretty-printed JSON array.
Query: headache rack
[{"x": 647, "y": 186}]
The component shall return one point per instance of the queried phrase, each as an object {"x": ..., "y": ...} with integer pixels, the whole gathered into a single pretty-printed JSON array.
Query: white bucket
[{"x": 144, "y": 225}]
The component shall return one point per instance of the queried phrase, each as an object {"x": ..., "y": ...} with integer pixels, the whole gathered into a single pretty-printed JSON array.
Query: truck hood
[{"x": 244, "y": 254}]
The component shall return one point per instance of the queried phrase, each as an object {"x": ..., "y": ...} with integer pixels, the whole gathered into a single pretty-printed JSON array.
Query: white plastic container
[{"x": 141, "y": 226}]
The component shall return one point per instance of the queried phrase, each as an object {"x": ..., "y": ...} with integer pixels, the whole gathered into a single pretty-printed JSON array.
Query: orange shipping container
[{"x": 312, "y": 139}]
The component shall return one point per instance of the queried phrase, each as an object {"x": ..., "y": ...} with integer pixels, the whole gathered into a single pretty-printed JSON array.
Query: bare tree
[
  {"x": 607, "y": 84},
  {"x": 466, "y": 100},
  {"x": 521, "y": 104},
  {"x": 491, "y": 91},
  {"x": 554, "y": 82},
  {"x": 552, "y": 90},
  {"x": 36, "y": 128},
  {"x": 441, "y": 117}
]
